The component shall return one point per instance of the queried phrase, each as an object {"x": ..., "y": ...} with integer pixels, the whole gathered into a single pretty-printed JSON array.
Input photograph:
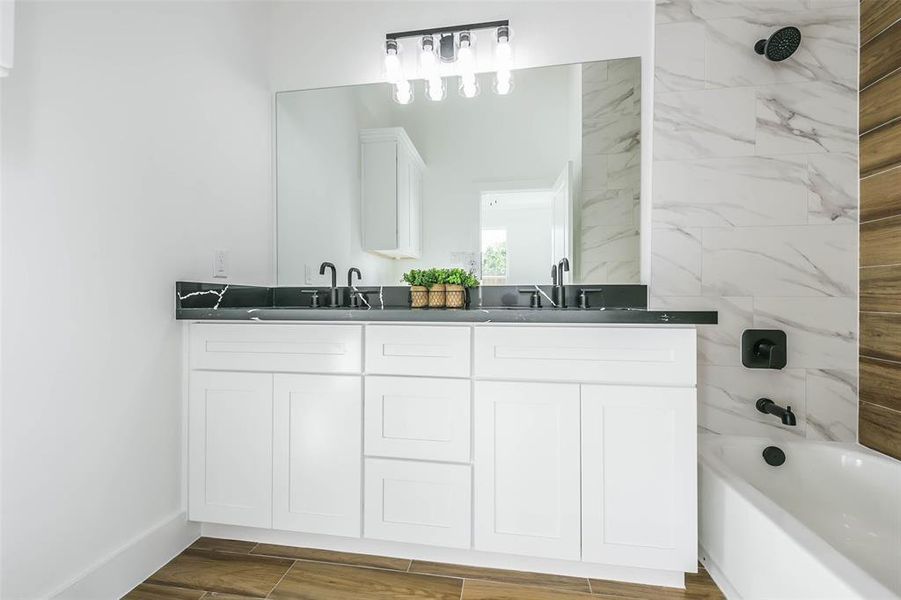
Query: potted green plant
[
  {"x": 458, "y": 281},
  {"x": 419, "y": 289},
  {"x": 437, "y": 280}
]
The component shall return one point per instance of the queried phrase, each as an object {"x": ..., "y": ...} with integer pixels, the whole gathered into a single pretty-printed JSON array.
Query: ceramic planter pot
[
  {"x": 455, "y": 296},
  {"x": 437, "y": 296},
  {"x": 419, "y": 296}
]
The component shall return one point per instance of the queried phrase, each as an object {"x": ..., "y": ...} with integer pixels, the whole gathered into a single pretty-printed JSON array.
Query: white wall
[
  {"x": 324, "y": 44},
  {"x": 136, "y": 140}
]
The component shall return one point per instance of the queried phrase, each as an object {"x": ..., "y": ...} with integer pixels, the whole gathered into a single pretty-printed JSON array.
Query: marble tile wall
[
  {"x": 611, "y": 172},
  {"x": 755, "y": 204}
]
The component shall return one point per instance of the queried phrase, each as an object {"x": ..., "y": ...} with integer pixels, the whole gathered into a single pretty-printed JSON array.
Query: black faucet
[
  {"x": 765, "y": 405},
  {"x": 559, "y": 288},
  {"x": 333, "y": 298},
  {"x": 350, "y": 276}
]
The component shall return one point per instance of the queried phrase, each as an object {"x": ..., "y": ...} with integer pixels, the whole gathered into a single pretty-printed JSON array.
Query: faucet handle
[
  {"x": 357, "y": 295},
  {"x": 314, "y": 298},
  {"x": 584, "y": 293},
  {"x": 764, "y": 349},
  {"x": 535, "y": 300}
]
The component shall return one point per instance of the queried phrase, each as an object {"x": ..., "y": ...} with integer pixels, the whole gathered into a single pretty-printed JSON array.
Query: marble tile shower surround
[
  {"x": 755, "y": 204},
  {"x": 611, "y": 172}
]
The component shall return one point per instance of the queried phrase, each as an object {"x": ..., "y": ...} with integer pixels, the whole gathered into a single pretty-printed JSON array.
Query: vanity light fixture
[{"x": 448, "y": 51}]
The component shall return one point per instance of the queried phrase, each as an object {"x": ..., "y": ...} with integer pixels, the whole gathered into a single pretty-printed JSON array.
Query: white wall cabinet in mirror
[
  {"x": 506, "y": 185},
  {"x": 391, "y": 190}
]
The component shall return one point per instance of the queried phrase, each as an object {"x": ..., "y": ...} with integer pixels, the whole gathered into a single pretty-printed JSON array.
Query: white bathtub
[{"x": 826, "y": 524}]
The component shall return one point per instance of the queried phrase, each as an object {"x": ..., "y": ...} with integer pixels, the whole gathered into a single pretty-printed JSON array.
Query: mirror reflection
[{"x": 504, "y": 186}]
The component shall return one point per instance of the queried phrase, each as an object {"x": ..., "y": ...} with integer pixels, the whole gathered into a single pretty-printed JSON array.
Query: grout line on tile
[
  {"x": 309, "y": 560},
  {"x": 334, "y": 562},
  {"x": 285, "y": 574}
]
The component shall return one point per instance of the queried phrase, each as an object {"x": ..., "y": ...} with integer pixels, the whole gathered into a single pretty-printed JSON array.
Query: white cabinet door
[
  {"x": 379, "y": 193},
  {"x": 639, "y": 476},
  {"x": 318, "y": 454},
  {"x": 527, "y": 469},
  {"x": 230, "y": 448},
  {"x": 418, "y": 502}
]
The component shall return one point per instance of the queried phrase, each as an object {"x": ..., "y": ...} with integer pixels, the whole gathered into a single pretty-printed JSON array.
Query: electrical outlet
[{"x": 220, "y": 264}]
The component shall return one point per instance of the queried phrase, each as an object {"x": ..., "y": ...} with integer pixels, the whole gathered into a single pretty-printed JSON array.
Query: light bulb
[
  {"x": 503, "y": 58},
  {"x": 503, "y": 53},
  {"x": 435, "y": 88},
  {"x": 393, "y": 70},
  {"x": 465, "y": 57},
  {"x": 403, "y": 92},
  {"x": 428, "y": 62},
  {"x": 469, "y": 86},
  {"x": 503, "y": 83}
]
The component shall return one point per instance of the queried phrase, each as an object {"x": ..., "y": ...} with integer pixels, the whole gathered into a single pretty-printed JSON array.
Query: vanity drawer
[
  {"x": 303, "y": 348},
  {"x": 415, "y": 417},
  {"x": 417, "y": 350},
  {"x": 649, "y": 356},
  {"x": 418, "y": 503}
]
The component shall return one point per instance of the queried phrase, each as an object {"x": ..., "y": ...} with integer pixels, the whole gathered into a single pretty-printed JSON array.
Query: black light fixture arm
[{"x": 452, "y": 29}]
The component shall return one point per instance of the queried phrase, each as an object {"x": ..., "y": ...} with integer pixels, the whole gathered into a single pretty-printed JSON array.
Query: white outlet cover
[{"x": 220, "y": 263}]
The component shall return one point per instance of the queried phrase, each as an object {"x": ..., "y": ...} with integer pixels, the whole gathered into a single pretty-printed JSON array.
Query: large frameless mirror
[{"x": 503, "y": 185}]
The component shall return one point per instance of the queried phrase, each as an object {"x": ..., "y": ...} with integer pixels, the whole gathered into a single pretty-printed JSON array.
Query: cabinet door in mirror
[{"x": 504, "y": 186}]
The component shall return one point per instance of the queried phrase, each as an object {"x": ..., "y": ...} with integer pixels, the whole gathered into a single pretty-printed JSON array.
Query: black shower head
[{"x": 780, "y": 45}]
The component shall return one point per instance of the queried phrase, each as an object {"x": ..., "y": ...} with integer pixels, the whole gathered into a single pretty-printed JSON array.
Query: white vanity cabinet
[
  {"x": 391, "y": 193},
  {"x": 280, "y": 446},
  {"x": 562, "y": 449}
]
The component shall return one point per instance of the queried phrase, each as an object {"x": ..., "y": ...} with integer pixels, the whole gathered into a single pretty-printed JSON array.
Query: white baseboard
[
  {"x": 116, "y": 574},
  {"x": 718, "y": 577},
  {"x": 675, "y": 579}
]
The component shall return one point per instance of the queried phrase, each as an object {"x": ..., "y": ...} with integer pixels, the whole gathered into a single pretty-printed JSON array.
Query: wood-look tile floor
[{"x": 214, "y": 569}]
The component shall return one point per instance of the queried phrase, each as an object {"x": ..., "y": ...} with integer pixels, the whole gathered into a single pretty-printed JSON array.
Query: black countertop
[
  {"x": 624, "y": 304},
  {"x": 471, "y": 315}
]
